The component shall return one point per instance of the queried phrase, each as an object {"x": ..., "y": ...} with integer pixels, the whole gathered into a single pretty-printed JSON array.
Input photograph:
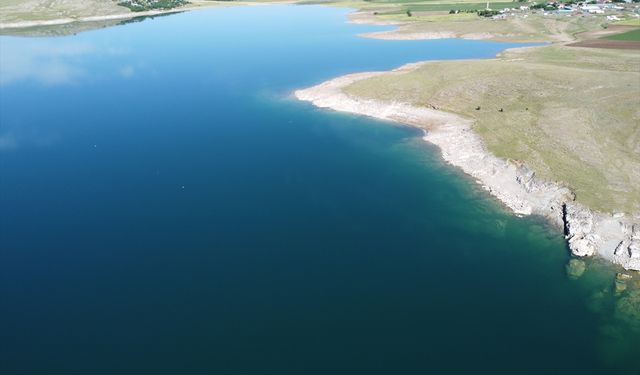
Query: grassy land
[
  {"x": 629, "y": 22},
  {"x": 12, "y": 11},
  {"x": 535, "y": 28},
  {"x": 435, "y": 7},
  {"x": 629, "y": 35},
  {"x": 430, "y": 2},
  {"x": 44, "y": 10},
  {"x": 573, "y": 114}
]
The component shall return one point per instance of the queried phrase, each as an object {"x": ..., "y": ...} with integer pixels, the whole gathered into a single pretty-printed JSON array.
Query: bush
[{"x": 488, "y": 13}]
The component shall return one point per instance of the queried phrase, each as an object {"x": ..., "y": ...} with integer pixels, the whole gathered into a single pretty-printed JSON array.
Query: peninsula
[{"x": 550, "y": 130}]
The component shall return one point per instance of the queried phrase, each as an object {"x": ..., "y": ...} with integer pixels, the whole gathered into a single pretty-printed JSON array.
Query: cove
[{"x": 167, "y": 207}]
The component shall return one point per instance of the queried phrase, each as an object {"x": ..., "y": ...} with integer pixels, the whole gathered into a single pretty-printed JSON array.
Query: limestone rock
[
  {"x": 634, "y": 249},
  {"x": 582, "y": 247}
]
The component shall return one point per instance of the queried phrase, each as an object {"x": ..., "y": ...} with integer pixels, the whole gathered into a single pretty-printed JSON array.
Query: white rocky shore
[{"x": 614, "y": 237}]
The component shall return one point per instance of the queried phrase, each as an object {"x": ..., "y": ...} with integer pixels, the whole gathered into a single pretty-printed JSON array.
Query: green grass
[
  {"x": 425, "y": 2},
  {"x": 535, "y": 28},
  {"x": 629, "y": 35},
  {"x": 427, "y": 7},
  {"x": 431, "y": 17},
  {"x": 572, "y": 114},
  {"x": 630, "y": 22}
]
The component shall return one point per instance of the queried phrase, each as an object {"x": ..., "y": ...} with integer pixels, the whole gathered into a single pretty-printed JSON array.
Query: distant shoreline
[
  {"x": 111, "y": 17},
  {"x": 130, "y": 14},
  {"x": 119, "y": 16}
]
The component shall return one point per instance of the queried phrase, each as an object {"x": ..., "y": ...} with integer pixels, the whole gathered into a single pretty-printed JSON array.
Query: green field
[
  {"x": 437, "y": 7},
  {"x": 635, "y": 21},
  {"x": 629, "y": 35},
  {"x": 449, "y": 2}
]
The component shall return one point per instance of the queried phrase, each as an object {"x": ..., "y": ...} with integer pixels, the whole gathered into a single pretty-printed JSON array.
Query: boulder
[{"x": 582, "y": 247}]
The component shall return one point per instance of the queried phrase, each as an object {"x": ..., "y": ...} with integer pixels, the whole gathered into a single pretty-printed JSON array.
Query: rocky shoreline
[{"x": 615, "y": 237}]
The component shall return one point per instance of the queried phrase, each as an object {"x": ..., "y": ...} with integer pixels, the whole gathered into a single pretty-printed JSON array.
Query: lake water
[{"x": 167, "y": 207}]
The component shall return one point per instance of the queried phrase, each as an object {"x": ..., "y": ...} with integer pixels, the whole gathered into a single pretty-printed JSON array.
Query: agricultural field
[{"x": 633, "y": 35}]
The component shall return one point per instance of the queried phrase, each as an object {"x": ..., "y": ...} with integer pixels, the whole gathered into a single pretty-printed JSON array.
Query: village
[{"x": 614, "y": 11}]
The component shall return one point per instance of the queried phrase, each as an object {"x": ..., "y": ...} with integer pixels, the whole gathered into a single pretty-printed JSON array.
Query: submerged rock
[
  {"x": 623, "y": 276},
  {"x": 628, "y": 308},
  {"x": 598, "y": 301},
  {"x": 621, "y": 286},
  {"x": 621, "y": 282},
  {"x": 575, "y": 268}
]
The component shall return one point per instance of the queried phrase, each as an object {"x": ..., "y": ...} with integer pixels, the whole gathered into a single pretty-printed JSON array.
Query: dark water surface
[{"x": 166, "y": 207}]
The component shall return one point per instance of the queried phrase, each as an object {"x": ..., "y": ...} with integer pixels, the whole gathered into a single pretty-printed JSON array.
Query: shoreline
[
  {"x": 111, "y": 17},
  {"x": 402, "y": 31},
  {"x": 127, "y": 14},
  {"x": 614, "y": 237}
]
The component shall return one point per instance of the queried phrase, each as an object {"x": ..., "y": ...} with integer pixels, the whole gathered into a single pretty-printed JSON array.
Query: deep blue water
[{"x": 167, "y": 207}]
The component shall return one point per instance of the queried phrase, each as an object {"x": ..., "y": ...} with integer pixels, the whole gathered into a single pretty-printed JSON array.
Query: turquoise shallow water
[{"x": 167, "y": 207}]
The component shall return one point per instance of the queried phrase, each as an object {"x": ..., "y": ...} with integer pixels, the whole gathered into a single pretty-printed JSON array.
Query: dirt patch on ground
[{"x": 607, "y": 43}]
